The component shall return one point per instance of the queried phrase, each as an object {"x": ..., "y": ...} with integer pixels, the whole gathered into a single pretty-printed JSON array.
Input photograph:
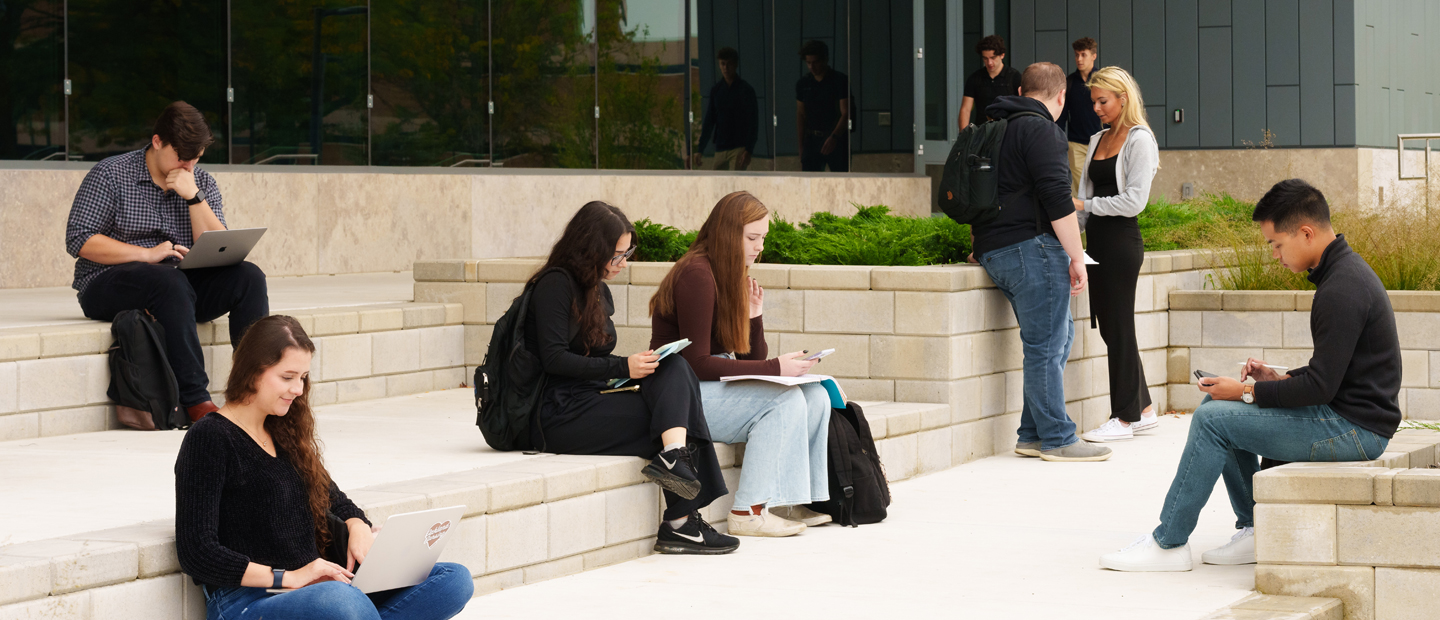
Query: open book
[
  {"x": 663, "y": 352},
  {"x": 837, "y": 395}
]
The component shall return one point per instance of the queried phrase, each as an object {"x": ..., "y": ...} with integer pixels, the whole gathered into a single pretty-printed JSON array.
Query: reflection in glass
[
  {"x": 544, "y": 83},
  {"x": 31, "y": 73},
  {"x": 744, "y": 26},
  {"x": 300, "y": 78},
  {"x": 128, "y": 60},
  {"x": 642, "y": 83},
  {"x": 430, "y": 78},
  {"x": 937, "y": 70}
]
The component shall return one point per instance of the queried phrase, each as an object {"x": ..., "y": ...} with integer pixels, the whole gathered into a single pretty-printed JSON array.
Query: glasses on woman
[{"x": 619, "y": 258}]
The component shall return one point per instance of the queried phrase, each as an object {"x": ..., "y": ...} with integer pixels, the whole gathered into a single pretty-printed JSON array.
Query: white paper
[{"x": 800, "y": 380}]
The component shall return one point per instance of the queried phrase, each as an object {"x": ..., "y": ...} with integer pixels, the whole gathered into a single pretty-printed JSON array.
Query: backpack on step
[
  {"x": 970, "y": 185},
  {"x": 142, "y": 384},
  {"x": 509, "y": 383},
  {"x": 859, "y": 493}
]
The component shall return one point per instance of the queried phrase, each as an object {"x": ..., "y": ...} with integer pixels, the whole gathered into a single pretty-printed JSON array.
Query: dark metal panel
[
  {"x": 1216, "y": 103},
  {"x": 819, "y": 22},
  {"x": 1282, "y": 114},
  {"x": 1051, "y": 46},
  {"x": 1344, "y": 48},
  {"x": 1282, "y": 42},
  {"x": 1215, "y": 13},
  {"x": 873, "y": 73},
  {"x": 902, "y": 75},
  {"x": 1149, "y": 54},
  {"x": 1156, "y": 115},
  {"x": 1084, "y": 21},
  {"x": 1317, "y": 73},
  {"x": 1022, "y": 34},
  {"x": 1182, "y": 72},
  {"x": 1116, "y": 42},
  {"x": 788, "y": 68},
  {"x": 1345, "y": 114},
  {"x": 1247, "y": 39},
  {"x": 1049, "y": 15}
]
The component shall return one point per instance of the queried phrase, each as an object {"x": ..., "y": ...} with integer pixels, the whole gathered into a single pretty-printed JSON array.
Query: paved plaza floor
[{"x": 1004, "y": 537}]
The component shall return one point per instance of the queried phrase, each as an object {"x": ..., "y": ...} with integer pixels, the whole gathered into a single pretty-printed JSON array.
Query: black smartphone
[{"x": 1200, "y": 374}]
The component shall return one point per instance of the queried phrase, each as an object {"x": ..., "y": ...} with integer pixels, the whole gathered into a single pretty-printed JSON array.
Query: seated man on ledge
[
  {"x": 1341, "y": 407},
  {"x": 133, "y": 218}
]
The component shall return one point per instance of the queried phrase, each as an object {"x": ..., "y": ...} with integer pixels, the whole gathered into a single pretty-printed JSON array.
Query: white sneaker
[
  {"x": 1112, "y": 430},
  {"x": 1147, "y": 422},
  {"x": 763, "y": 524},
  {"x": 1240, "y": 550},
  {"x": 1145, "y": 555},
  {"x": 802, "y": 514}
]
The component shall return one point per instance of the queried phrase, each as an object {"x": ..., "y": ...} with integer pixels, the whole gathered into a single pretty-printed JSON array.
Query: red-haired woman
[
  {"x": 253, "y": 499},
  {"x": 710, "y": 298}
]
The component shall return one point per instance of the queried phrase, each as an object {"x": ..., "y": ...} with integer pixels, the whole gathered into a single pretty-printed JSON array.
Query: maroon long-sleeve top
[{"x": 695, "y": 298}]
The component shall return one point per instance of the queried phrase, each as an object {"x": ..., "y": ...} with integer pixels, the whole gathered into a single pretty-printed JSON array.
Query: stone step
[{"x": 1268, "y": 607}]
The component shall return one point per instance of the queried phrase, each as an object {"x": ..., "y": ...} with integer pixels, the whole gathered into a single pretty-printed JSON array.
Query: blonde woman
[{"x": 1114, "y": 188}]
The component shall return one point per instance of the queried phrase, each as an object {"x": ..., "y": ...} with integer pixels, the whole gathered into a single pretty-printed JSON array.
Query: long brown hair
[
  {"x": 587, "y": 244},
  {"x": 265, "y": 342},
  {"x": 720, "y": 241}
]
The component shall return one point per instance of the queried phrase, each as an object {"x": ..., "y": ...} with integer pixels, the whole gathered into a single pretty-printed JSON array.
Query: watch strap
[
  {"x": 199, "y": 198},
  {"x": 279, "y": 577}
]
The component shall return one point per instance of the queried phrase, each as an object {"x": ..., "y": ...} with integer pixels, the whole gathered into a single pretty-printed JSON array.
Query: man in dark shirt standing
[
  {"x": 1079, "y": 119},
  {"x": 1343, "y": 406},
  {"x": 732, "y": 117},
  {"x": 134, "y": 216},
  {"x": 991, "y": 80},
  {"x": 822, "y": 113}
]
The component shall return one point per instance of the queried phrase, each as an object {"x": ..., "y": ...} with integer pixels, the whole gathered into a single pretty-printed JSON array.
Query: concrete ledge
[{"x": 1269, "y": 607}]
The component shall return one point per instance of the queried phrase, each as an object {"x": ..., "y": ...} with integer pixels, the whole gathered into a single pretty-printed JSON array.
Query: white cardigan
[{"x": 1139, "y": 158}]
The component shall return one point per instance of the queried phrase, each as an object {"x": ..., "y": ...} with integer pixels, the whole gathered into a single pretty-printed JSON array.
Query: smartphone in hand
[
  {"x": 818, "y": 355},
  {"x": 1200, "y": 374}
]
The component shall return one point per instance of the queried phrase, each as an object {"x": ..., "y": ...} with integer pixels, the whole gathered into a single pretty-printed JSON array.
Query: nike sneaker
[
  {"x": 694, "y": 537},
  {"x": 675, "y": 472}
]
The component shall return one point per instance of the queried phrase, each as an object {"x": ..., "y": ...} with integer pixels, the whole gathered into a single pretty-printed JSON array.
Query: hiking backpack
[
  {"x": 509, "y": 383},
  {"x": 142, "y": 385},
  {"x": 859, "y": 493},
  {"x": 970, "y": 186}
]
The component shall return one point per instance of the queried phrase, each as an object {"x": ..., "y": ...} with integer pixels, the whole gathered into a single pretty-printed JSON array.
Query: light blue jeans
[
  {"x": 785, "y": 430},
  {"x": 441, "y": 596}
]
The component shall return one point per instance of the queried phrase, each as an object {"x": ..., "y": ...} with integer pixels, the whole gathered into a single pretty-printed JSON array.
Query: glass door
[{"x": 937, "y": 78}]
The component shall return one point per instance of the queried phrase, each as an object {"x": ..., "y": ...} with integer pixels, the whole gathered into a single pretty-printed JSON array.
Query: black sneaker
[
  {"x": 695, "y": 537},
  {"x": 674, "y": 472}
]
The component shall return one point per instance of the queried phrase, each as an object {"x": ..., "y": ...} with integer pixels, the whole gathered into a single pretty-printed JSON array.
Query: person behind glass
[
  {"x": 1079, "y": 119},
  {"x": 1119, "y": 165},
  {"x": 570, "y": 332},
  {"x": 134, "y": 216},
  {"x": 253, "y": 499},
  {"x": 993, "y": 79},
  {"x": 732, "y": 116},
  {"x": 822, "y": 112},
  {"x": 709, "y": 298}
]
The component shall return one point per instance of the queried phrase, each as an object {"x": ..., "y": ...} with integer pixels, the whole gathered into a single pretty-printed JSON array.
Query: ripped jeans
[{"x": 1227, "y": 439}]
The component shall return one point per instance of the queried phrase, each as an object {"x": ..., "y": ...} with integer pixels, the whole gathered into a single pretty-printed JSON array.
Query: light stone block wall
[
  {"x": 358, "y": 220},
  {"x": 1367, "y": 178}
]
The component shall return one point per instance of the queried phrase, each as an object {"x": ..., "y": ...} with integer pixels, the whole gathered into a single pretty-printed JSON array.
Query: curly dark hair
[
  {"x": 587, "y": 244},
  {"x": 992, "y": 43},
  {"x": 183, "y": 127},
  {"x": 1084, "y": 44}
]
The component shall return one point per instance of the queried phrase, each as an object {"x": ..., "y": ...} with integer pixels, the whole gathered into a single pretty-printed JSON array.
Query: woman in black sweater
[
  {"x": 253, "y": 499},
  {"x": 569, "y": 330}
]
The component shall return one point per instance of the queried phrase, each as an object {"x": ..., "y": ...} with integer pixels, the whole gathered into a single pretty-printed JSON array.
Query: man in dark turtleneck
[{"x": 1343, "y": 406}]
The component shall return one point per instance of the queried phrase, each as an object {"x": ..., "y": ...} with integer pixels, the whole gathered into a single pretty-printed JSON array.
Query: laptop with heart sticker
[{"x": 407, "y": 548}]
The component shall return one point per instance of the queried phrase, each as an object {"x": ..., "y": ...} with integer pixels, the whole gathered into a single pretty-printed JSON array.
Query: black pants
[
  {"x": 812, "y": 160},
  {"x": 575, "y": 418},
  {"x": 1115, "y": 243},
  {"x": 179, "y": 299}
]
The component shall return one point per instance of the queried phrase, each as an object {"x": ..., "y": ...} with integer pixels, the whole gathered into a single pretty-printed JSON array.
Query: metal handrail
[
  {"x": 471, "y": 161},
  {"x": 1400, "y": 161},
  {"x": 55, "y": 155},
  {"x": 313, "y": 157}
]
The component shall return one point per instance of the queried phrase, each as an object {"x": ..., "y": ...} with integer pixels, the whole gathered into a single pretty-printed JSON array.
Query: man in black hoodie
[
  {"x": 1033, "y": 254},
  {"x": 1343, "y": 406}
]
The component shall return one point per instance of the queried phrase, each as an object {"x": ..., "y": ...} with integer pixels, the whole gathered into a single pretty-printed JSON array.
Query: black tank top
[{"x": 1102, "y": 175}]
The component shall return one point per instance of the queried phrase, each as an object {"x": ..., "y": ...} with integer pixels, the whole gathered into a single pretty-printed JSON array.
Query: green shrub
[{"x": 660, "y": 243}]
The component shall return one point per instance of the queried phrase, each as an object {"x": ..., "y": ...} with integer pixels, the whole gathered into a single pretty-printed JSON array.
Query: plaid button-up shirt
[{"x": 119, "y": 200}]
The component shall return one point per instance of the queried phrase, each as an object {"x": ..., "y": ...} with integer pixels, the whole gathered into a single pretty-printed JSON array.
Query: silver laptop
[
  {"x": 221, "y": 248},
  {"x": 406, "y": 549}
]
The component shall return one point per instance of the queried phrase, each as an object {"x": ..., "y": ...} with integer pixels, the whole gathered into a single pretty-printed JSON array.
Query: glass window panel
[
  {"x": 795, "y": 24},
  {"x": 431, "y": 83},
  {"x": 745, "y": 26},
  {"x": 128, "y": 60},
  {"x": 544, "y": 83},
  {"x": 299, "y": 98},
  {"x": 642, "y": 83},
  {"x": 937, "y": 69},
  {"x": 32, "y": 70},
  {"x": 882, "y": 85}
]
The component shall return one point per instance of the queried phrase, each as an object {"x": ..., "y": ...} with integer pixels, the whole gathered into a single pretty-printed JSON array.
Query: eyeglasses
[{"x": 621, "y": 258}]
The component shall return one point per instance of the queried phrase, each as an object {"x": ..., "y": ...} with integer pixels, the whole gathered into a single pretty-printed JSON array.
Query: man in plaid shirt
[{"x": 134, "y": 217}]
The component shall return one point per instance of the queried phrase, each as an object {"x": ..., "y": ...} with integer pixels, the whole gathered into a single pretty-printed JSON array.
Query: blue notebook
[{"x": 663, "y": 352}]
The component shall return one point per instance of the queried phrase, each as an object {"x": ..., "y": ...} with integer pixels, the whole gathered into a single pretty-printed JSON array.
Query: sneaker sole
[
  {"x": 1027, "y": 452},
  {"x": 687, "y": 489},
  {"x": 679, "y": 548},
  {"x": 1228, "y": 561},
  {"x": 1177, "y": 567},
  {"x": 1097, "y": 439},
  {"x": 1135, "y": 428},
  {"x": 764, "y": 534},
  {"x": 1072, "y": 459}
]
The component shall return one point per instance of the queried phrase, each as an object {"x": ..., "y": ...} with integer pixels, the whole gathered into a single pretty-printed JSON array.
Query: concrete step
[{"x": 1268, "y": 607}]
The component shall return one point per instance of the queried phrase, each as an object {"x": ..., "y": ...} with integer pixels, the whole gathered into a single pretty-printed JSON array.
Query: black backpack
[
  {"x": 859, "y": 493},
  {"x": 970, "y": 186},
  {"x": 509, "y": 383},
  {"x": 142, "y": 385}
]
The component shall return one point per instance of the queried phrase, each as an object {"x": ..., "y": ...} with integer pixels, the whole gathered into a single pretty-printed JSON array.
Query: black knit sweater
[{"x": 236, "y": 504}]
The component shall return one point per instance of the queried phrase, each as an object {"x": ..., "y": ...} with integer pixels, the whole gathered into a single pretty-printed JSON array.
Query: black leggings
[
  {"x": 1115, "y": 243},
  {"x": 575, "y": 418}
]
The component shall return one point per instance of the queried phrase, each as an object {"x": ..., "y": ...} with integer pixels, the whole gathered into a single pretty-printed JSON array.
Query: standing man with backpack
[{"x": 1032, "y": 251}]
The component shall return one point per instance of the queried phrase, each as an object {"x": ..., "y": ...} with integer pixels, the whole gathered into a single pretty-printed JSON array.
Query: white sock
[
  {"x": 676, "y": 523},
  {"x": 671, "y": 446}
]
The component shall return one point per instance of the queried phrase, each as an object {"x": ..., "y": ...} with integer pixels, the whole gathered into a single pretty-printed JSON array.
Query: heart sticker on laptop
[{"x": 436, "y": 532}]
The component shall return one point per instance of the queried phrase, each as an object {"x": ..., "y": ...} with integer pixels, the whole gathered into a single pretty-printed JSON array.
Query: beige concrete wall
[
  {"x": 356, "y": 221},
  {"x": 1247, "y": 173}
]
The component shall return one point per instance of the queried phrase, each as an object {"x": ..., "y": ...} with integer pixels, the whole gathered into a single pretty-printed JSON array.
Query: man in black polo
[
  {"x": 134, "y": 217},
  {"x": 1079, "y": 119},
  {"x": 822, "y": 112},
  {"x": 993, "y": 79},
  {"x": 732, "y": 116}
]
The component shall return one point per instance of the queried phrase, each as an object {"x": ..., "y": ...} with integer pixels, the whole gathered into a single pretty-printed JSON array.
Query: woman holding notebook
[
  {"x": 656, "y": 415},
  {"x": 709, "y": 298}
]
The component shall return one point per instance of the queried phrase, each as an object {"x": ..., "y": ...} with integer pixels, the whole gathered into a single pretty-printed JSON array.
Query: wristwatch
[
  {"x": 279, "y": 577},
  {"x": 1248, "y": 395},
  {"x": 199, "y": 198}
]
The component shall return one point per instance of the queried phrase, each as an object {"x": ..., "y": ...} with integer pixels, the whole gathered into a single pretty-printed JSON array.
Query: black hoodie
[{"x": 1034, "y": 173}]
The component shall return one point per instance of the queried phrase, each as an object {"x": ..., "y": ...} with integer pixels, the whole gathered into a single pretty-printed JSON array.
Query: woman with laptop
[
  {"x": 656, "y": 415},
  {"x": 254, "y": 504},
  {"x": 709, "y": 297}
]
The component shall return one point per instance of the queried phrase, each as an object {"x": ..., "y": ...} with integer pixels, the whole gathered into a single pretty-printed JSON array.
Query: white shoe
[
  {"x": 802, "y": 514},
  {"x": 1145, "y": 555},
  {"x": 763, "y": 524},
  {"x": 1240, "y": 550},
  {"x": 1112, "y": 430},
  {"x": 1147, "y": 422}
]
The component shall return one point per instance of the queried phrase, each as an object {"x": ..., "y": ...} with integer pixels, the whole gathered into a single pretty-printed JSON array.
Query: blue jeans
[
  {"x": 1227, "y": 439},
  {"x": 440, "y": 596},
  {"x": 1035, "y": 276},
  {"x": 785, "y": 430}
]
